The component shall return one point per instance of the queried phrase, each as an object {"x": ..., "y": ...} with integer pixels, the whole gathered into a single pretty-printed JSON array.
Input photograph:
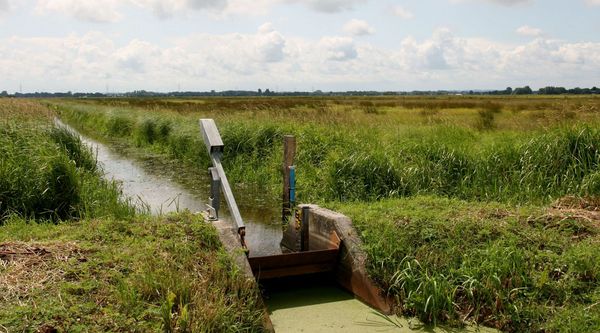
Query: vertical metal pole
[
  {"x": 289, "y": 152},
  {"x": 215, "y": 191},
  {"x": 304, "y": 245}
]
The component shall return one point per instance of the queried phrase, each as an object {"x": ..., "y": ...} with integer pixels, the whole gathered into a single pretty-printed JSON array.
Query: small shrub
[
  {"x": 61, "y": 196},
  {"x": 119, "y": 125},
  {"x": 486, "y": 119},
  {"x": 149, "y": 131},
  {"x": 364, "y": 176},
  {"x": 591, "y": 184}
]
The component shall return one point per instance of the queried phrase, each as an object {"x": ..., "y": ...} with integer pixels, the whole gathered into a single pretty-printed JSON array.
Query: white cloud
[
  {"x": 356, "y": 27},
  {"x": 168, "y": 8},
  {"x": 249, "y": 7},
  {"x": 136, "y": 56},
  {"x": 247, "y": 61},
  {"x": 402, "y": 13},
  {"x": 498, "y": 2},
  {"x": 111, "y": 10},
  {"x": 270, "y": 44},
  {"x": 328, "y": 6},
  {"x": 339, "y": 48},
  {"x": 510, "y": 2},
  {"x": 529, "y": 31},
  {"x": 4, "y": 6},
  {"x": 593, "y": 2},
  {"x": 86, "y": 10}
]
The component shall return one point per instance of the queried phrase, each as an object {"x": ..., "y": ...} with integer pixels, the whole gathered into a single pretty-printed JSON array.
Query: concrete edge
[
  {"x": 351, "y": 272},
  {"x": 231, "y": 242}
]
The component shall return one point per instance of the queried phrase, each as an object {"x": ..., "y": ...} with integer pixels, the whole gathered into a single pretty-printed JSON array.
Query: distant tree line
[
  {"x": 550, "y": 90},
  {"x": 526, "y": 90}
]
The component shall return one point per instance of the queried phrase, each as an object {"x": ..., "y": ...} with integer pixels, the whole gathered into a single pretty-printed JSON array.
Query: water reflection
[{"x": 166, "y": 186}]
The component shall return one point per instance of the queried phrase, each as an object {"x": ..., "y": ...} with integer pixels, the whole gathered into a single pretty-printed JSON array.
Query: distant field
[{"x": 510, "y": 149}]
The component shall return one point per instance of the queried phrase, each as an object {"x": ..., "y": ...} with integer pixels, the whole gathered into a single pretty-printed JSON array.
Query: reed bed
[
  {"x": 348, "y": 153},
  {"x": 47, "y": 173}
]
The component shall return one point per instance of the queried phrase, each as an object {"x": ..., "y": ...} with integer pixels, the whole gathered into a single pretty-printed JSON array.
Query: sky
[{"x": 297, "y": 45}]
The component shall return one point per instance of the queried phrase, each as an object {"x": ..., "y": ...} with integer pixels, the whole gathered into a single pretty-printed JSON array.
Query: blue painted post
[
  {"x": 292, "y": 186},
  {"x": 289, "y": 151}
]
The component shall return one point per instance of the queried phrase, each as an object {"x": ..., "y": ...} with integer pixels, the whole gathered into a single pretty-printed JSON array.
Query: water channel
[{"x": 313, "y": 305}]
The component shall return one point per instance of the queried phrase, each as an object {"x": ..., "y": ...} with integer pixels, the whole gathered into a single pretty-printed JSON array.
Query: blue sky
[{"x": 122, "y": 45}]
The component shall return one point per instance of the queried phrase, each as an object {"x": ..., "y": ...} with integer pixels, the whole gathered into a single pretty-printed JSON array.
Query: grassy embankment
[
  {"x": 450, "y": 195},
  {"x": 75, "y": 257}
]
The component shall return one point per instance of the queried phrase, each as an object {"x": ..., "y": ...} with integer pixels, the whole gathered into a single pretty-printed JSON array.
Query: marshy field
[{"x": 472, "y": 209}]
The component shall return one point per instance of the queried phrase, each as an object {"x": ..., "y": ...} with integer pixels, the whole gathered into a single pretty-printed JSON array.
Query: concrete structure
[{"x": 350, "y": 271}]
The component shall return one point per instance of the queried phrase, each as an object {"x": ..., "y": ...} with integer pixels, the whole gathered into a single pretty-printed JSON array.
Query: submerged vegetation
[{"x": 76, "y": 257}]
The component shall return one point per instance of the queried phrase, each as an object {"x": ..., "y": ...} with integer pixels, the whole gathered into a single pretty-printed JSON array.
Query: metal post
[
  {"x": 304, "y": 245},
  {"x": 289, "y": 152},
  {"x": 215, "y": 193},
  {"x": 214, "y": 144},
  {"x": 233, "y": 208}
]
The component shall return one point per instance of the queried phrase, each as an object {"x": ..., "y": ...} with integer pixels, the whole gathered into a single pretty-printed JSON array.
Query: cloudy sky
[{"x": 284, "y": 45}]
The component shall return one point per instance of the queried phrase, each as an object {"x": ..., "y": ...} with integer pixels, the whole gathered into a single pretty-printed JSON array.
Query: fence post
[{"x": 289, "y": 152}]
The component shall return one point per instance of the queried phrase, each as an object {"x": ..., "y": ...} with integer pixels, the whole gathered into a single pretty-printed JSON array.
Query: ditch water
[
  {"x": 164, "y": 187},
  {"x": 313, "y": 304}
]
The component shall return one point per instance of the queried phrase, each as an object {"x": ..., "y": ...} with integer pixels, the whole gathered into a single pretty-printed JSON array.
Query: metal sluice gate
[{"x": 321, "y": 256}]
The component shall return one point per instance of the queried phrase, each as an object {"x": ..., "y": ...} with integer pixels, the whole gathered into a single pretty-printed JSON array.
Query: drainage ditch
[{"x": 313, "y": 301}]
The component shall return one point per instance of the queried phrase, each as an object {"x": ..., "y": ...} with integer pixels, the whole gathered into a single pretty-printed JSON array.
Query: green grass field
[
  {"x": 471, "y": 209},
  {"x": 508, "y": 150},
  {"x": 75, "y": 257},
  {"x": 462, "y": 202}
]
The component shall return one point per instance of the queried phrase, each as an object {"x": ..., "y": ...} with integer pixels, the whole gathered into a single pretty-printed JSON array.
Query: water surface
[{"x": 163, "y": 187}]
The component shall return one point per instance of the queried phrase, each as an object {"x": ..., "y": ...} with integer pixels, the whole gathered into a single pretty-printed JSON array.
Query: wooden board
[{"x": 297, "y": 263}]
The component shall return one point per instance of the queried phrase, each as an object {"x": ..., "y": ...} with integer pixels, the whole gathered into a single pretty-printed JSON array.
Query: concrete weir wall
[
  {"x": 350, "y": 271},
  {"x": 231, "y": 242}
]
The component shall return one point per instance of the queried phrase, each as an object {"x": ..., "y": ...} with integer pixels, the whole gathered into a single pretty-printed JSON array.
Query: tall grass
[
  {"x": 48, "y": 173},
  {"x": 519, "y": 270},
  {"x": 146, "y": 274},
  {"x": 444, "y": 259},
  {"x": 347, "y": 154}
]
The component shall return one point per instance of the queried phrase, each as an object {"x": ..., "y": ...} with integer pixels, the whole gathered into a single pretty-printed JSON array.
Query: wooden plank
[
  {"x": 297, "y": 263},
  {"x": 293, "y": 259},
  {"x": 294, "y": 271}
]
